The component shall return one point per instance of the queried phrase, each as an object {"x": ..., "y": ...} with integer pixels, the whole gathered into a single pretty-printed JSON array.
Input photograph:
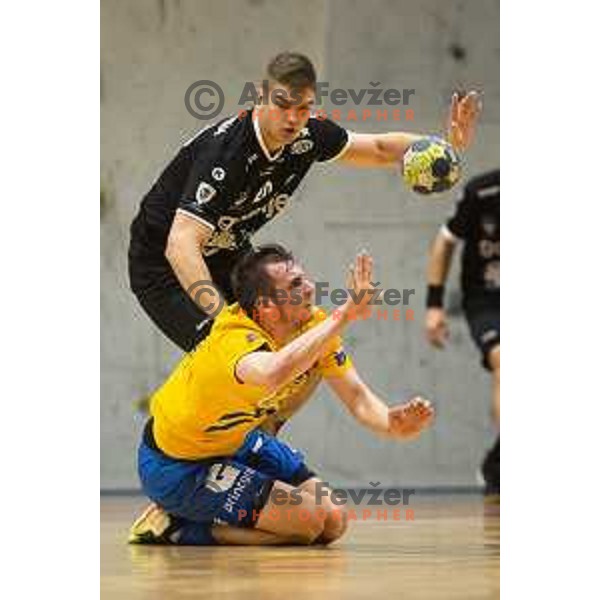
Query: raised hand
[
  {"x": 358, "y": 282},
  {"x": 462, "y": 120},
  {"x": 407, "y": 420}
]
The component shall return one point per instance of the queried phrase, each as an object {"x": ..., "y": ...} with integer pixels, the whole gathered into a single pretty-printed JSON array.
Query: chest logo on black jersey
[
  {"x": 301, "y": 146},
  {"x": 218, "y": 173},
  {"x": 205, "y": 192}
]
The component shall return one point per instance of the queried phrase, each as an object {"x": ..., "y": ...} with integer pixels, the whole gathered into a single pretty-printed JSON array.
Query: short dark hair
[
  {"x": 292, "y": 69},
  {"x": 249, "y": 277}
]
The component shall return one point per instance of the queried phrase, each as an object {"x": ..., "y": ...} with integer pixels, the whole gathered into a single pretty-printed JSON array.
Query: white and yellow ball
[{"x": 430, "y": 165}]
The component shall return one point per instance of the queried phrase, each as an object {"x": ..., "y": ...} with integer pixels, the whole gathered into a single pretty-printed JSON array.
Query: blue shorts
[{"x": 228, "y": 490}]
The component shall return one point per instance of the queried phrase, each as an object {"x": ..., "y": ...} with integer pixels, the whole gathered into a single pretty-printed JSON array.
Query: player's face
[
  {"x": 296, "y": 300},
  {"x": 287, "y": 114}
]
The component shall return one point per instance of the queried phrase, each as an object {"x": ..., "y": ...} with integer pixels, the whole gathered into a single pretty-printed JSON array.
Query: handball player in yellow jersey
[{"x": 208, "y": 458}]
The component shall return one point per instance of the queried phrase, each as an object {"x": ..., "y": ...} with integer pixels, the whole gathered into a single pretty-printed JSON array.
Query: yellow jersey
[{"x": 203, "y": 410}]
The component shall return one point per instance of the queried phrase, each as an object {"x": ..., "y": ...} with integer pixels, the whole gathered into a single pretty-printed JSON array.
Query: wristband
[{"x": 435, "y": 296}]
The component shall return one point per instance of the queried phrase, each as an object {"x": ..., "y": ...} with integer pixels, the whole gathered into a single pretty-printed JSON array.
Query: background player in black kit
[
  {"x": 234, "y": 177},
  {"x": 476, "y": 223}
]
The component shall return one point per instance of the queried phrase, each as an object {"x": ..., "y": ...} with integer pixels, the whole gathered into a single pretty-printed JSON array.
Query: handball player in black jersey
[
  {"x": 231, "y": 179},
  {"x": 475, "y": 223}
]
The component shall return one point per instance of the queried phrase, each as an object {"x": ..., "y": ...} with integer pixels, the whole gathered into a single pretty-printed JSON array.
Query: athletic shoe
[{"x": 154, "y": 526}]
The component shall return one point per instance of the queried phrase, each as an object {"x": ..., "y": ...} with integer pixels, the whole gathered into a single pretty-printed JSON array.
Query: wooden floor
[{"x": 450, "y": 550}]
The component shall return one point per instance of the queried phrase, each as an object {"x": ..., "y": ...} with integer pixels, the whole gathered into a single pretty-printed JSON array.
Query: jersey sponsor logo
[
  {"x": 233, "y": 497},
  {"x": 223, "y": 237},
  {"x": 221, "y": 477},
  {"x": 220, "y": 240},
  {"x": 218, "y": 173},
  {"x": 301, "y": 146},
  {"x": 488, "y": 224},
  {"x": 491, "y": 275},
  {"x": 205, "y": 192},
  {"x": 267, "y": 171},
  {"x": 489, "y": 249},
  {"x": 273, "y": 207},
  {"x": 241, "y": 199},
  {"x": 264, "y": 191}
]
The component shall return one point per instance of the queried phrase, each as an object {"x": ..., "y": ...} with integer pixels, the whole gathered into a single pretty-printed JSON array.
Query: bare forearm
[
  {"x": 371, "y": 412},
  {"x": 440, "y": 259},
  {"x": 194, "y": 277},
  {"x": 184, "y": 253},
  {"x": 378, "y": 149},
  {"x": 188, "y": 265},
  {"x": 392, "y": 146}
]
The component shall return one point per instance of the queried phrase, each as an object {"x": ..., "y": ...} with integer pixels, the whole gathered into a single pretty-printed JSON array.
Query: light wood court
[{"x": 450, "y": 550}]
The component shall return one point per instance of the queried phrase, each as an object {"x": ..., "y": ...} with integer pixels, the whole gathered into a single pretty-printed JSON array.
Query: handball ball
[{"x": 430, "y": 165}]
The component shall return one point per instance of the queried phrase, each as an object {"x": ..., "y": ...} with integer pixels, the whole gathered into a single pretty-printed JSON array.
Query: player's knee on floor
[
  {"x": 308, "y": 518},
  {"x": 335, "y": 526},
  {"x": 293, "y": 514},
  {"x": 335, "y": 517}
]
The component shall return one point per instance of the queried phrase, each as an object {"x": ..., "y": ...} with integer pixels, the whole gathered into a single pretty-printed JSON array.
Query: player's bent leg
[
  {"x": 228, "y": 535},
  {"x": 279, "y": 461},
  {"x": 336, "y": 518},
  {"x": 195, "y": 495},
  {"x": 198, "y": 496},
  {"x": 292, "y": 514}
]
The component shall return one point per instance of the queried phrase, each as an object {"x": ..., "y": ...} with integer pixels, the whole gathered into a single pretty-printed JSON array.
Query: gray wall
[{"x": 151, "y": 52}]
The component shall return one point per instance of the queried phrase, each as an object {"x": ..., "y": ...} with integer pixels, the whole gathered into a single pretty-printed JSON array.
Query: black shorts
[
  {"x": 484, "y": 324},
  {"x": 176, "y": 315},
  {"x": 171, "y": 308}
]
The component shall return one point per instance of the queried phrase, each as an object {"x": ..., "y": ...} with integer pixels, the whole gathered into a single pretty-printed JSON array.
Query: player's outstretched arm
[
  {"x": 404, "y": 421},
  {"x": 440, "y": 259},
  {"x": 387, "y": 149},
  {"x": 276, "y": 369}
]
